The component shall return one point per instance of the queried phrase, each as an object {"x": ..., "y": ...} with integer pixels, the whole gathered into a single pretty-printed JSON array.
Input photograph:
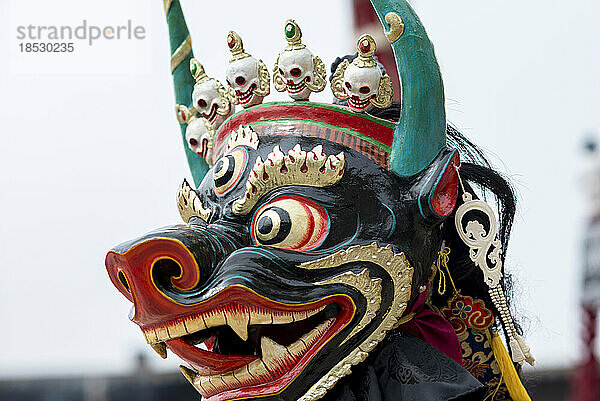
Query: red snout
[{"x": 143, "y": 272}]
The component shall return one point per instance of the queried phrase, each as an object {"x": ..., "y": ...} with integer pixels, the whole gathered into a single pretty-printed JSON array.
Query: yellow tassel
[{"x": 511, "y": 378}]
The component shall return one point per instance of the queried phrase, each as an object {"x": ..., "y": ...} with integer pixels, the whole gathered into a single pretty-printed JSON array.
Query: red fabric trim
[{"x": 433, "y": 329}]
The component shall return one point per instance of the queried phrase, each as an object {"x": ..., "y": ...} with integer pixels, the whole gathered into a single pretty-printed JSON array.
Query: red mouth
[
  {"x": 245, "y": 97},
  {"x": 212, "y": 116},
  {"x": 358, "y": 104},
  {"x": 294, "y": 89},
  {"x": 202, "y": 152},
  {"x": 244, "y": 345}
]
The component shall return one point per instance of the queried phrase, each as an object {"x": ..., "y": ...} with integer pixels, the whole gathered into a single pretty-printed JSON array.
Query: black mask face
[{"x": 300, "y": 255}]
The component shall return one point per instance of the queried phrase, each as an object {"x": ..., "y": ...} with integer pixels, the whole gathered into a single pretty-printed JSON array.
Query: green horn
[
  {"x": 421, "y": 131},
  {"x": 181, "y": 53}
]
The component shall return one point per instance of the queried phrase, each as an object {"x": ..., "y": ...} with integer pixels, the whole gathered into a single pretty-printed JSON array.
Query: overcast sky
[{"x": 90, "y": 159}]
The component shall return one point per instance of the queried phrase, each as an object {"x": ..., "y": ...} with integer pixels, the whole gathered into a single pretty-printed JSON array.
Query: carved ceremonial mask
[{"x": 308, "y": 239}]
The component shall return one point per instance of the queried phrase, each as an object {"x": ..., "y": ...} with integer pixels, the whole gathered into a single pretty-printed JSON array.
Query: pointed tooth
[
  {"x": 238, "y": 321},
  {"x": 188, "y": 373},
  {"x": 271, "y": 350},
  {"x": 161, "y": 349}
]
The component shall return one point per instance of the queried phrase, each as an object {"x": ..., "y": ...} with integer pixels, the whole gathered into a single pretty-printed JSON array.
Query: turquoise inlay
[
  {"x": 421, "y": 131},
  {"x": 184, "y": 84},
  {"x": 393, "y": 221}
]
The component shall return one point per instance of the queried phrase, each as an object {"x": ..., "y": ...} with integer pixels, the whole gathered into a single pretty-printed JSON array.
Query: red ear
[
  {"x": 438, "y": 196},
  {"x": 443, "y": 199}
]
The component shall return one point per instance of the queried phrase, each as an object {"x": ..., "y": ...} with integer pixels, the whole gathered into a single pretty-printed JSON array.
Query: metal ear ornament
[
  {"x": 247, "y": 77},
  {"x": 297, "y": 70},
  {"x": 361, "y": 82},
  {"x": 485, "y": 250}
]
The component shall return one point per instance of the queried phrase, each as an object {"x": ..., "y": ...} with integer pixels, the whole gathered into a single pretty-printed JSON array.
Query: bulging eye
[
  {"x": 290, "y": 222},
  {"x": 228, "y": 171},
  {"x": 240, "y": 80},
  {"x": 202, "y": 103},
  {"x": 193, "y": 142},
  {"x": 296, "y": 72}
]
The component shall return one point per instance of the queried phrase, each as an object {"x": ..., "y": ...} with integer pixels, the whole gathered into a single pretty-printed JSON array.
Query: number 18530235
[{"x": 49, "y": 47}]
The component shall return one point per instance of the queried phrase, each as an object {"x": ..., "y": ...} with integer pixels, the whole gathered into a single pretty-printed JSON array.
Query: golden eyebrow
[{"x": 313, "y": 168}]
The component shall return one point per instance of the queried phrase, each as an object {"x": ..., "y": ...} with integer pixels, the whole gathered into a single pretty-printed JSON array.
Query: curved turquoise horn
[
  {"x": 181, "y": 53},
  {"x": 421, "y": 131}
]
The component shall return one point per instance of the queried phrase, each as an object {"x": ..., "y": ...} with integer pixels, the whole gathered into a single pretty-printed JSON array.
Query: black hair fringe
[{"x": 478, "y": 176}]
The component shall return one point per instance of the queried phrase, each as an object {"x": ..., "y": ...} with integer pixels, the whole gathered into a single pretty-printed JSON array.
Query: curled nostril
[{"x": 169, "y": 272}]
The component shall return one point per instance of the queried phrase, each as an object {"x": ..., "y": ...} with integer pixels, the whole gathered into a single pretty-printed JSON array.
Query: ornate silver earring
[{"x": 485, "y": 250}]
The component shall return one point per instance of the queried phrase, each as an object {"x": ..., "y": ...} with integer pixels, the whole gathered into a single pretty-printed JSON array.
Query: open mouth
[
  {"x": 356, "y": 103},
  {"x": 212, "y": 115},
  {"x": 247, "y": 345},
  {"x": 296, "y": 88},
  {"x": 245, "y": 97}
]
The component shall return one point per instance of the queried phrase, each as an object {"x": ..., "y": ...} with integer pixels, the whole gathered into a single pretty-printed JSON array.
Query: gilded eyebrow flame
[
  {"x": 314, "y": 169},
  {"x": 242, "y": 136},
  {"x": 190, "y": 205}
]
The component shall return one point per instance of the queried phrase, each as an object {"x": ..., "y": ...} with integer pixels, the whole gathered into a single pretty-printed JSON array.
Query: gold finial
[
  {"x": 197, "y": 71},
  {"x": 293, "y": 34},
  {"x": 236, "y": 46},
  {"x": 366, "y": 49}
]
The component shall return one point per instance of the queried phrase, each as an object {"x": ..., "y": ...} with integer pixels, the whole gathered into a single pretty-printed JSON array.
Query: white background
[{"x": 91, "y": 157}]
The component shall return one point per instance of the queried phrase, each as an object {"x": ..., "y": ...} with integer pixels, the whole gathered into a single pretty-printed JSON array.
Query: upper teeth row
[{"x": 238, "y": 317}]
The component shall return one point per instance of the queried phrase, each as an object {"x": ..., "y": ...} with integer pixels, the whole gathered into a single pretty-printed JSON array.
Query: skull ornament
[
  {"x": 361, "y": 82},
  {"x": 297, "y": 70},
  {"x": 247, "y": 77},
  {"x": 199, "y": 136},
  {"x": 209, "y": 97}
]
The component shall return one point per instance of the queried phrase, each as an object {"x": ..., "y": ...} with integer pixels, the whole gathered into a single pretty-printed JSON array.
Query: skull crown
[
  {"x": 209, "y": 96},
  {"x": 199, "y": 133},
  {"x": 297, "y": 70},
  {"x": 361, "y": 82},
  {"x": 247, "y": 77}
]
